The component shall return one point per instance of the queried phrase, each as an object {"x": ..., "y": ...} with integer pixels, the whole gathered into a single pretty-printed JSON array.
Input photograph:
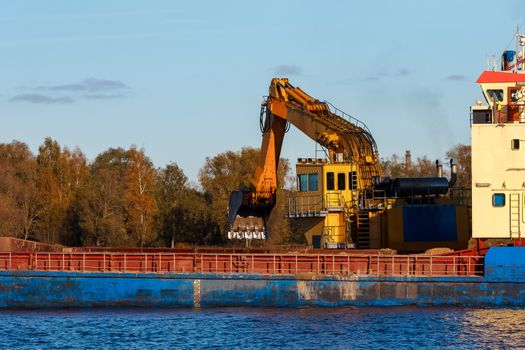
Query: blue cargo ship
[
  {"x": 34, "y": 275},
  {"x": 68, "y": 283}
]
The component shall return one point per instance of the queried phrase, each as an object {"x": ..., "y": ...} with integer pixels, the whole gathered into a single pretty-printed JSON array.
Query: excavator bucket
[{"x": 245, "y": 221}]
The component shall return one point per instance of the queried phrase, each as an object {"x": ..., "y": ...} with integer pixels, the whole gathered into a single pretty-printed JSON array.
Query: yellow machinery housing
[
  {"x": 418, "y": 227},
  {"x": 330, "y": 210}
]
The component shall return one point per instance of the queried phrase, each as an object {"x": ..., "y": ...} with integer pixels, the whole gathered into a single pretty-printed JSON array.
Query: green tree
[
  {"x": 79, "y": 172},
  {"x": 102, "y": 214},
  {"x": 184, "y": 215},
  {"x": 171, "y": 183}
]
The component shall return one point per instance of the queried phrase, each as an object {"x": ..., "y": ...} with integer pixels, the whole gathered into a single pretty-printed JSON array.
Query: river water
[{"x": 242, "y": 328}]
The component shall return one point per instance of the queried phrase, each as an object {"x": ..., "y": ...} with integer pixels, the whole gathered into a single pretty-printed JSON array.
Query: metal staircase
[{"x": 362, "y": 235}]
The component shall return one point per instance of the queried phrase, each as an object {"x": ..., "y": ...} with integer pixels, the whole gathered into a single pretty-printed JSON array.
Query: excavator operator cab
[
  {"x": 309, "y": 195},
  {"x": 326, "y": 195}
]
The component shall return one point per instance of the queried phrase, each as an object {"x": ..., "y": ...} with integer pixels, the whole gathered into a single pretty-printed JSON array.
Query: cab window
[
  {"x": 330, "y": 181},
  {"x": 312, "y": 182},
  {"x": 307, "y": 182},
  {"x": 341, "y": 183},
  {"x": 302, "y": 182}
]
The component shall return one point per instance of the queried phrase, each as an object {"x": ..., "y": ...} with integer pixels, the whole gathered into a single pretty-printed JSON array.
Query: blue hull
[
  {"x": 30, "y": 289},
  {"x": 502, "y": 285}
]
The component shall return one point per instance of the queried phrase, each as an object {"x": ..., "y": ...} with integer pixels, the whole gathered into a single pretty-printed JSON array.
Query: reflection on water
[
  {"x": 311, "y": 328},
  {"x": 495, "y": 328}
]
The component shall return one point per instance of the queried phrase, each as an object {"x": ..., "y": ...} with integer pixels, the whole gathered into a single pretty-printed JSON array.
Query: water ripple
[{"x": 240, "y": 328}]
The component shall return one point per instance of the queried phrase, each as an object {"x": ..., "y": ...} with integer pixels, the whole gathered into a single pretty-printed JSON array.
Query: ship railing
[{"x": 343, "y": 264}]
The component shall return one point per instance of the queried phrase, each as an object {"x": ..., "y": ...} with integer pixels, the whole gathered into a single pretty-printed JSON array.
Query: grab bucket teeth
[
  {"x": 251, "y": 227},
  {"x": 246, "y": 235}
]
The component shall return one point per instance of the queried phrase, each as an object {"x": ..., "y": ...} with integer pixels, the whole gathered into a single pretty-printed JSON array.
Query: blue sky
[{"x": 185, "y": 80}]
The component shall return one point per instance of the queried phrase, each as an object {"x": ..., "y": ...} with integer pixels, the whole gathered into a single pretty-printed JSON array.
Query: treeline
[{"x": 120, "y": 199}]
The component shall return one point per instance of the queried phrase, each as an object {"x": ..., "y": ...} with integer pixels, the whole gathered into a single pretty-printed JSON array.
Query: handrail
[
  {"x": 331, "y": 198},
  {"x": 305, "y": 204},
  {"x": 348, "y": 117},
  {"x": 260, "y": 263},
  {"x": 331, "y": 233}
]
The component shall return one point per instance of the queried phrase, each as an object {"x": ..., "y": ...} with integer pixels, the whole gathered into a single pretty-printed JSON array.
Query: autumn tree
[
  {"x": 462, "y": 190},
  {"x": 395, "y": 167},
  {"x": 461, "y": 154},
  {"x": 140, "y": 201},
  {"x": 118, "y": 206},
  {"x": 58, "y": 181},
  {"x": 223, "y": 174},
  {"x": 423, "y": 167},
  {"x": 18, "y": 204}
]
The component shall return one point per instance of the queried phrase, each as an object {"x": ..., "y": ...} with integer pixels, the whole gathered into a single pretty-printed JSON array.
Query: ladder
[
  {"x": 514, "y": 216},
  {"x": 353, "y": 181}
]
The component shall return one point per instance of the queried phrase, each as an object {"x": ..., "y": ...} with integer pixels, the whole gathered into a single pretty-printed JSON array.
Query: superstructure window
[
  {"x": 498, "y": 94},
  {"x": 307, "y": 182},
  {"x": 514, "y": 95},
  {"x": 313, "y": 182},
  {"x": 515, "y": 144},
  {"x": 330, "y": 183},
  {"x": 498, "y": 199},
  {"x": 481, "y": 116},
  {"x": 302, "y": 181},
  {"x": 341, "y": 183}
]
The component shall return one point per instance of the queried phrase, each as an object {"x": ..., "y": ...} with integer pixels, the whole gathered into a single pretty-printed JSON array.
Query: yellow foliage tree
[{"x": 140, "y": 197}]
